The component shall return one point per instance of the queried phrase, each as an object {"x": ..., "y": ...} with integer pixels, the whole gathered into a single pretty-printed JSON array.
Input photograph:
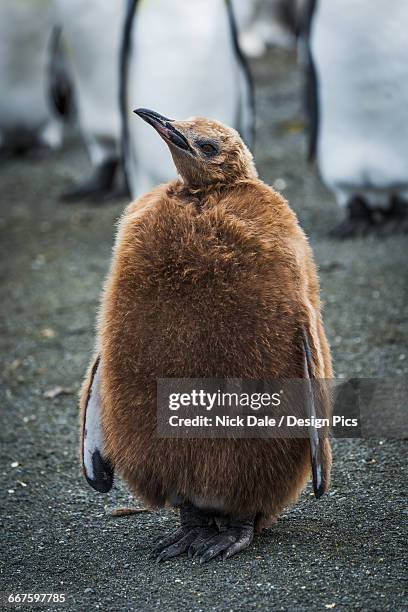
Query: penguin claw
[
  {"x": 202, "y": 539},
  {"x": 162, "y": 543},
  {"x": 226, "y": 543},
  {"x": 175, "y": 545},
  {"x": 204, "y": 535}
]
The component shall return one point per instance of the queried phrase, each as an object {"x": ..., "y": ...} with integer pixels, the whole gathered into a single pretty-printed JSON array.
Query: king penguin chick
[{"x": 211, "y": 277}]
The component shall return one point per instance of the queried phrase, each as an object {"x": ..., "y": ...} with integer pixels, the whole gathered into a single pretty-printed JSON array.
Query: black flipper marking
[
  {"x": 311, "y": 96},
  {"x": 124, "y": 53},
  {"x": 245, "y": 68},
  {"x": 103, "y": 473}
]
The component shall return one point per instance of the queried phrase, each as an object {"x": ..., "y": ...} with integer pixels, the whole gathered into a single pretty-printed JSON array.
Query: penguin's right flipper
[
  {"x": 320, "y": 452},
  {"x": 97, "y": 468}
]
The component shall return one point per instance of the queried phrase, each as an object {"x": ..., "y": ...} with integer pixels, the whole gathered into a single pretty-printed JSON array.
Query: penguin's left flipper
[
  {"x": 320, "y": 453},
  {"x": 97, "y": 468}
]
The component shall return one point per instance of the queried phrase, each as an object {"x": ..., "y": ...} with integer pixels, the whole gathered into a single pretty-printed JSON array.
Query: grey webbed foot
[
  {"x": 237, "y": 537},
  {"x": 195, "y": 525},
  {"x": 204, "y": 535},
  {"x": 359, "y": 221},
  {"x": 99, "y": 187}
]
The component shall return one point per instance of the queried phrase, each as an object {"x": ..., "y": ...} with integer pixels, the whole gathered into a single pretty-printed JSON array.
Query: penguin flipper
[
  {"x": 97, "y": 468},
  {"x": 311, "y": 99},
  {"x": 320, "y": 452},
  {"x": 60, "y": 86},
  {"x": 246, "y": 116},
  {"x": 125, "y": 48}
]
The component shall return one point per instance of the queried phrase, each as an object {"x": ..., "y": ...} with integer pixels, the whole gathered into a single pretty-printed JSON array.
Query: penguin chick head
[{"x": 204, "y": 151}]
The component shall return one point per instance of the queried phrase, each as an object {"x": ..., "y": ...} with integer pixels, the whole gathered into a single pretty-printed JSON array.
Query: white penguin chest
[
  {"x": 360, "y": 51},
  {"x": 178, "y": 45}
]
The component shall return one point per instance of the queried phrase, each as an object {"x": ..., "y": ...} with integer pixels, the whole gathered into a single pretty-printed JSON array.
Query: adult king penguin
[
  {"x": 92, "y": 33},
  {"x": 358, "y": 103},
  {"x": 211, "y": 277},
  {"x": 27, "y": 118},
  {"x": 185, "y": 56}
]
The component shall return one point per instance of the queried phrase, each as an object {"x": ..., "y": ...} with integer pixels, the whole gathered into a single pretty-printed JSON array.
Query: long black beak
[{"x": 164, "y": 127}]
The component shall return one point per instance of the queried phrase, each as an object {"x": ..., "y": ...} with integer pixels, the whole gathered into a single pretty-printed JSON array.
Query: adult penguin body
[
  {"x": 266, "y": 23},
  {"x": 92, "y": 32},
  {"x": 211, "y": 277},
  {"x": 184, "y": 56},
  {"x": 358, "y": 102},
  {"x": 27, "y": 119}
]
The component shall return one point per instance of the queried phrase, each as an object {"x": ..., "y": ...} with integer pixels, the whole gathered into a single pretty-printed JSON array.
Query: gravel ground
[{"x": 345, "y": 551}]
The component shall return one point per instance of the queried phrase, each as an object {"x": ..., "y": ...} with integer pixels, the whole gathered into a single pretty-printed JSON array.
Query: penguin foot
[
  {"x": 195, "y": 525},
  {"x": 200, "y": 536},
  {"x": 359, "y": 221},
  {"x": 99, "y": 187},
  {"x": 236, "y": 537},
  {"x": 396, "y": 218},
  {"x": 37, "y": 151}
]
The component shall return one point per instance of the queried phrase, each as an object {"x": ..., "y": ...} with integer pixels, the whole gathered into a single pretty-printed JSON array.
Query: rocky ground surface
[{"x": 344, "y": 552}]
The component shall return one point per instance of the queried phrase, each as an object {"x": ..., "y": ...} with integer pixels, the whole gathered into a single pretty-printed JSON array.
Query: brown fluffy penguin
[{"x": 211, "y": 277}]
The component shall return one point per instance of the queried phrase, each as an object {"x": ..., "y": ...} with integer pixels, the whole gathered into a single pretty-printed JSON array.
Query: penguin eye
[{"x": 208, "y": 148}]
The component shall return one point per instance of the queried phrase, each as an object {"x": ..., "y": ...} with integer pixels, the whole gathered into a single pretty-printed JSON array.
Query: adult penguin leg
[
  {"x": 359, "y": 220},
  {"x": 195, "y": 526}
]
